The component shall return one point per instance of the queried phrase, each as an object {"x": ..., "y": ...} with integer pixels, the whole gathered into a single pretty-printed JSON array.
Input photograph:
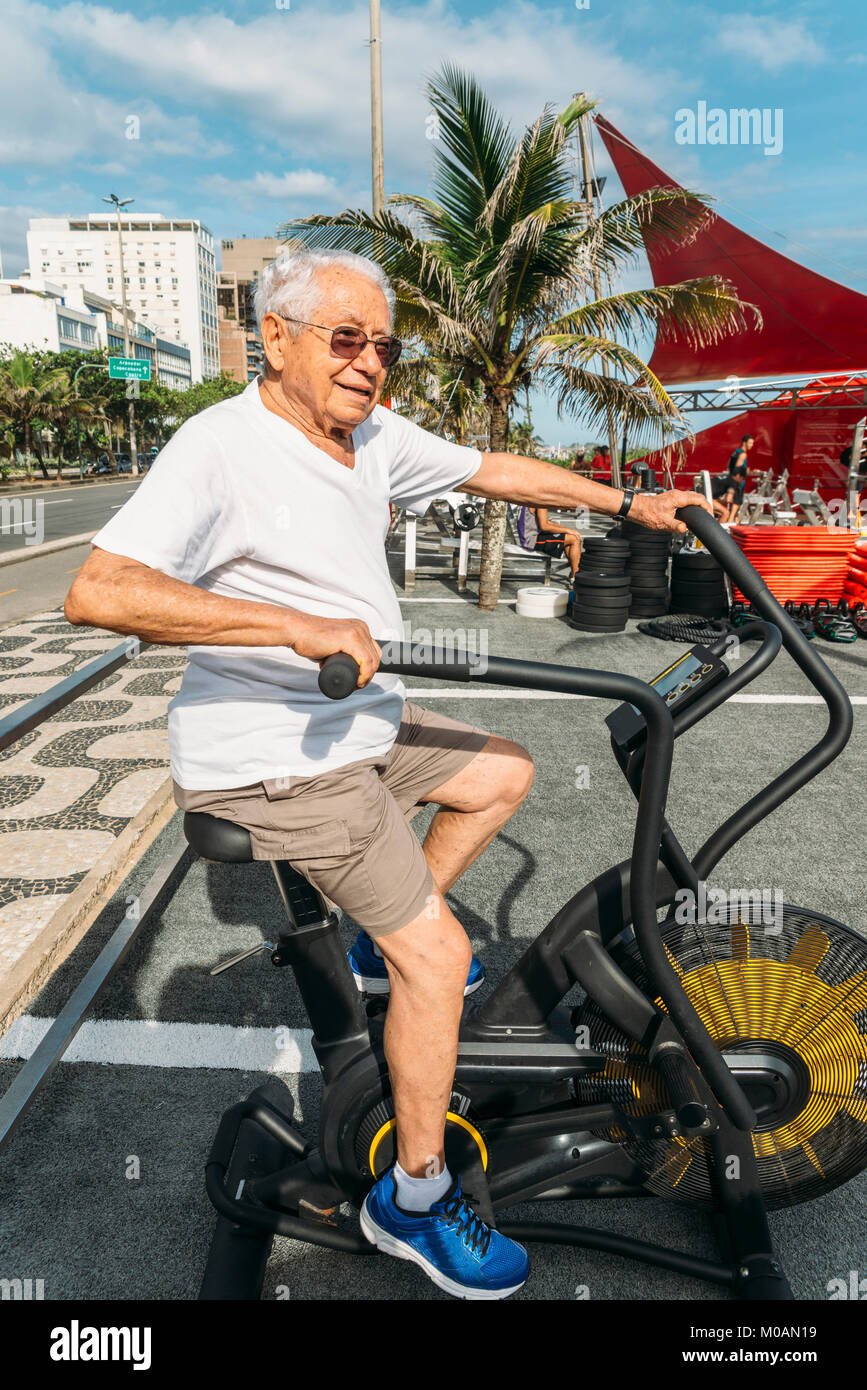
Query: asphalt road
[
  {"x": 101, "y": 1189},
  {"x": 32, "y": 585},
  {"x": 33, "y": 515}
]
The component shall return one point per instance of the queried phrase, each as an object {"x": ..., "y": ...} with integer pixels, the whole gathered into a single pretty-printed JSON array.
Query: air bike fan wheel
[{"x": 788, "y": 1010}]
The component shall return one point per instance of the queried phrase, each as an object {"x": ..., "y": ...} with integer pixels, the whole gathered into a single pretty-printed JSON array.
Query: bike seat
[{"x": 220, "y": 840}]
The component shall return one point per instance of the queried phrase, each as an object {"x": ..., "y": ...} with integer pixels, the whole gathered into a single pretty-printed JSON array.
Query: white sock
[{"x": 419, "y": 1194}]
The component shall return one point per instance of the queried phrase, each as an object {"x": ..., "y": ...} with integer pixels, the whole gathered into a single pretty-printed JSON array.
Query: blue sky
[{"x": 251, "y": 113}]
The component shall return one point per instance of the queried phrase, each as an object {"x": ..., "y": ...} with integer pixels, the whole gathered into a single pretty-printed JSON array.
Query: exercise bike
[{"x": 716, "y": 1061}]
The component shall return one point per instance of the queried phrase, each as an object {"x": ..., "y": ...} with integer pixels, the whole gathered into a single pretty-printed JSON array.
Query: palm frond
[{"x": 702, "y": 310}]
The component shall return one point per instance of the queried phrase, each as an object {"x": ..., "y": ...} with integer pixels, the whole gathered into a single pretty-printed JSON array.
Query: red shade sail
[{"x": 810, "y": 324}]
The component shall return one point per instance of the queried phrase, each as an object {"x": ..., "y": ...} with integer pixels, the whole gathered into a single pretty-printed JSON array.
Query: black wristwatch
[{"x": 628, "y": 494}]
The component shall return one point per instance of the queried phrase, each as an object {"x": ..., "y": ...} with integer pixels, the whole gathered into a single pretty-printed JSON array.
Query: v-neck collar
[{"x": 276, "y": 424}]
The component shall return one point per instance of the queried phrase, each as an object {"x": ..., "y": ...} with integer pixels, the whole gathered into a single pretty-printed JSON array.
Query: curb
[
  {"x": 63, "y": 931},
  {"x": 27, "y": 552},
  {"x": 11, "y": 484}
]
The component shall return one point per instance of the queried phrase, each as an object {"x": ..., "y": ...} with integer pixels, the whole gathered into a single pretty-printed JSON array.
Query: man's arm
[
  {"x": 123, "y": 595},
  {"x": 513, "y": 478}
]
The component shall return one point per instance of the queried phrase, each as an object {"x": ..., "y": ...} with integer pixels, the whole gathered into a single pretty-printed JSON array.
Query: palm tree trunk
[
  {"x": 494, "y": 528},
  {"x": 41, "y": 461}
]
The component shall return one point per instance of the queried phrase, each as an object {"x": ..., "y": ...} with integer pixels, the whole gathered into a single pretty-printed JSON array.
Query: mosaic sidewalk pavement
[{"x": 69, "y": 788}]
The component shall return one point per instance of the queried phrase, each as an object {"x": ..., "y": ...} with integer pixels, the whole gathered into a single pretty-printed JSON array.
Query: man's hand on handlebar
[
  {"x": 322, "y": 637},
  {"x": 656, "y": 510}
]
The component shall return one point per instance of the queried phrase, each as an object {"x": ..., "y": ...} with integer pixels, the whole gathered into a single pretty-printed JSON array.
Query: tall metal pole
[
  {"x": 377, "y": 164},
  {"x": 122, "y": 203},
  {"x": 588, "y": 199}
]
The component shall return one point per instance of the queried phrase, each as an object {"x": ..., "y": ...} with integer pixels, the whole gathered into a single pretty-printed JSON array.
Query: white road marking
[
  {"x": 147, "y": 1043},
  {"x": 74, "y": 492},
  {"x": 452, "y": 600}
]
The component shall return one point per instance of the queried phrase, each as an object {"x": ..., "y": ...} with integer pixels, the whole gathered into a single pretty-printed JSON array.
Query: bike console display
[{"x": 678, "y": 685}]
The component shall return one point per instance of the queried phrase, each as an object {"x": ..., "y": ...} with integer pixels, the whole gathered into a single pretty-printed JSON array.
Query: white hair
[{"x": 291, "y": 284}]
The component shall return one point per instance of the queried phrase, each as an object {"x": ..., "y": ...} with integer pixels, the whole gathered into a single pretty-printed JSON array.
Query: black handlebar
[{"x": 338, "y": 676}]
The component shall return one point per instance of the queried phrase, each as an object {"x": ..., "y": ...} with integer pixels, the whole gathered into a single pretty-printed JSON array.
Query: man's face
[{"x": 338, "y": 394}]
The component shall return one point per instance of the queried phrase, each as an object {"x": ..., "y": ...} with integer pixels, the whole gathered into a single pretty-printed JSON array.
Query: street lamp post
[
  {"x": 119, "y": 203},
  {"x": 589, "y": 199},
  {"x": 376, "y": 155}
]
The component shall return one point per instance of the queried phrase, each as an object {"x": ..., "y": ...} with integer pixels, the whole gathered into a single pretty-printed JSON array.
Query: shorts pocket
[{"x": 325, "y": 845}]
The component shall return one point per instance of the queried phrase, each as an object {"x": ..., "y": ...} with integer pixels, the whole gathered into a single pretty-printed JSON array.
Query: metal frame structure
[
  {"x": 811, "y": 394},
  {"x": 37, "y": 1069}
]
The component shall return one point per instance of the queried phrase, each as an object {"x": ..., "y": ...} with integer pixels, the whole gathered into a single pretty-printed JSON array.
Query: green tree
[
  {"x": 493, "y": 271},
  {"x": 32, "y": 396},
  {"x": 181, "y": 405}
]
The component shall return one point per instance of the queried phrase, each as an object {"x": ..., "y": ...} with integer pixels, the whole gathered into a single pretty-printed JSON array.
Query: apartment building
[
  {"x": 244, "y": 259},
  {"x": 169, "y": 269},
  {"x": 39, "y": 315}
]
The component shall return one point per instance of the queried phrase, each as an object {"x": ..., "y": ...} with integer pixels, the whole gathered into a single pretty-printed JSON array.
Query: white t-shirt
[{"x": 240, "y": 503}]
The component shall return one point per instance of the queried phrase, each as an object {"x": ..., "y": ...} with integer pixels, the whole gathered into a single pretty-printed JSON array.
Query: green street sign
[{"x": 130, "y": 368}]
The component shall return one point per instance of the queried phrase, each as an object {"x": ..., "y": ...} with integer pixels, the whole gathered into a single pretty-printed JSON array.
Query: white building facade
[
  {"x": 169, "y": 267},
  {"x": 38, "y": 315}
]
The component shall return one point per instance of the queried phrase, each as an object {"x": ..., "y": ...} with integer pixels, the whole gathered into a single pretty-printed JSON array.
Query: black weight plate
[
  {"x": 601, "y": 581},
  {"x": 603, "y": 600},
  {"x": 598, "y": 627},
  {"x": 700, "y": 590},
  {"x": 694, "y": 576},
  {"x": 695, "y": 560}
]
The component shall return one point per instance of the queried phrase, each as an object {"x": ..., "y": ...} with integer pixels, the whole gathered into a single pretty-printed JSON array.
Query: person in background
[
  {"x": 579, "y": 462},
  {"x": 728, "y": 489},
  {"x": 556, "y": 543}
]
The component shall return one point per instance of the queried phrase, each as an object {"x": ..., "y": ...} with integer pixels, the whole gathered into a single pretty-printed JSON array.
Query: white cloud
[
  {"x": 299, "y": 185},
  {"x": 13, "y": 228},
  {"x": 772, "y": 43},
  {"x": 300, "y": 77},
  {"x": 49, "y": 119}
]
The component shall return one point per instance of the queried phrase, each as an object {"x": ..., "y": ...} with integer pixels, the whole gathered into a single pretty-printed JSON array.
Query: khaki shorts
[{"x": 347, "y": 831}]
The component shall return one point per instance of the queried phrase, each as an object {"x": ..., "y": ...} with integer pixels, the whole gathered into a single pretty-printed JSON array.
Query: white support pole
[
  {"x": 409, "y": 553},
  {"x": 463, "y": 561}
]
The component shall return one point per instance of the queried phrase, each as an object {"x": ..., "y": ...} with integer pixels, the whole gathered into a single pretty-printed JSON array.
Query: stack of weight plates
[
  {"x": 603, "y": 554},
  {"x": 697, "y": 585},
  {"x": 541, "y": 601},
  {"x": 601, "y": 602},
  {"x": 601, "y": 588},
  {"x": 647, "y": 570}
]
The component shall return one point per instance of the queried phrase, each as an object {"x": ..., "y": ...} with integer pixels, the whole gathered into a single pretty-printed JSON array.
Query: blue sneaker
[
  {"x": 450, "y": 1243},
  {"x": 371, "y": 975}
]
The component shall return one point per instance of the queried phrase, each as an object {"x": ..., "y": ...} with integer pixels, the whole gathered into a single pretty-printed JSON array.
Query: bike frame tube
[
  {"x": 732, "y": 559},
  {"x": 673, "y": 855}
]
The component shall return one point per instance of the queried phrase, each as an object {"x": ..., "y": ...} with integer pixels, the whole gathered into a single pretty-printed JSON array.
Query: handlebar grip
[{"x": 338, "y": 676}]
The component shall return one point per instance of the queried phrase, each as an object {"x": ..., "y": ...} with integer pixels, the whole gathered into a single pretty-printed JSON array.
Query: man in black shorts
[
  {"x": 728, "y": 489},
  {"x": 556, "y": 543}
]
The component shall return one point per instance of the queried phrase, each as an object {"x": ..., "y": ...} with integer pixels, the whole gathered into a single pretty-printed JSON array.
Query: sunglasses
[{"x": 350, "y": 342}]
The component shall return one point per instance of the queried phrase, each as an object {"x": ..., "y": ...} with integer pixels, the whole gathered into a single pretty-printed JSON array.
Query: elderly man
[{"x": 257, "y": 538}]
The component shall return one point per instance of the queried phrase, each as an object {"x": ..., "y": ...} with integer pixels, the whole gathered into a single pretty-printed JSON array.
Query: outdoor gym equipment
[{"x": 718, "y": 1060}]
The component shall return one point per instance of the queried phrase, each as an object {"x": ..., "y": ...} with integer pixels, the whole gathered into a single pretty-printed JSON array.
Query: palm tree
[
  {"x": 29, "y": 395},
  {"x": 522, "y": 440},
  {"x": 438, "y": 398},
  {"x": 492, "y": 274}
]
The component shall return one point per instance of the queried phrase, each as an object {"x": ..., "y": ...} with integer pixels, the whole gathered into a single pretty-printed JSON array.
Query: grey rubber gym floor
[{"x": 72, "y": 1217}]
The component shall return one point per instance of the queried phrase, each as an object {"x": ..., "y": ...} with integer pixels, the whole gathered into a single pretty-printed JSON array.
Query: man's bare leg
[
  {"x": 474, "y": 805},
  {"x": 428, "y": 959},
  {"x": 427, "y": 963}
]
